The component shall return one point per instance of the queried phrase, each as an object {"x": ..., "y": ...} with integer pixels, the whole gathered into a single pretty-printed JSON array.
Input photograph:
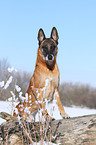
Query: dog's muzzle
[{"x": 49, "y": 57}]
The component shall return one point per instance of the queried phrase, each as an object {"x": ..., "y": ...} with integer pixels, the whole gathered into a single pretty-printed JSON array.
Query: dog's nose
[{"x": 50, "y": 57}]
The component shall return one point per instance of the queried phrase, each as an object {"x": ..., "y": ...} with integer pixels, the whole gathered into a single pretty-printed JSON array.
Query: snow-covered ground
[{"x": 74, "y": 111}]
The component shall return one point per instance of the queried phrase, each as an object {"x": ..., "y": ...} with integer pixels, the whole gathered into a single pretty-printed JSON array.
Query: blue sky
[{"x": 75, "y": 21}]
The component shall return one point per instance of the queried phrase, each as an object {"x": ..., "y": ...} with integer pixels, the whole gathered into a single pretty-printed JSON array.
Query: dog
[{"x": 45, "y": 81}]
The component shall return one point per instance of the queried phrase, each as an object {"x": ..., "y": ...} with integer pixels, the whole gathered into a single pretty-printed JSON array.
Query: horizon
[{"x": 76, "y": 25}]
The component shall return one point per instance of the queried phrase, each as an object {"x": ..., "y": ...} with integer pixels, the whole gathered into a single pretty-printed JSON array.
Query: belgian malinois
[{"x": 45, "y": 80}]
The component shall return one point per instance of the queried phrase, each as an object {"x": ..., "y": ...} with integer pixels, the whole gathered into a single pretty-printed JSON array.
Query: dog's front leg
[
  {"x": 42, "y": 105},
  {"x": 60, "y": 107}
]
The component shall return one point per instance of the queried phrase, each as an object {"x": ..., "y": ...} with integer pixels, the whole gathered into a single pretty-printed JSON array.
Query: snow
[
  {"x": 74, "y": 111},
  {"x": 2, "y": 84},
  {"x": 8, "y": 82},
  {"x": 10, "y": 70},
  {"x": 17, "y": 88}
]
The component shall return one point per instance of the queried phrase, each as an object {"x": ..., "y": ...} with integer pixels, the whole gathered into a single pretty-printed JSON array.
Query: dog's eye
[
  {"x": 52, "y": 47},
  {"x": 44, "y": 48}
]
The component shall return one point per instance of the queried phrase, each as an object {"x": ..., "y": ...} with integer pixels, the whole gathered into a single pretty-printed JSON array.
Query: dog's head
[{"x": 48, "y": 47}]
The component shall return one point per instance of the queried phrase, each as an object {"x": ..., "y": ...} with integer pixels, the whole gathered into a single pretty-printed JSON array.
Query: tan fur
[{"x": 37, "y": 83}]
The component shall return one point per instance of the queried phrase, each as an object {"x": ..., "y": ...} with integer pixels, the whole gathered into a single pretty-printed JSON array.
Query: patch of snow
[{"x": 74, "y": 111}]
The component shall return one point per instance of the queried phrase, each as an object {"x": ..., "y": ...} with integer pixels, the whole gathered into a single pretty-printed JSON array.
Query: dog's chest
[
  {"x": 50, "y": 82},
  {"x": 46, "y": 80}
]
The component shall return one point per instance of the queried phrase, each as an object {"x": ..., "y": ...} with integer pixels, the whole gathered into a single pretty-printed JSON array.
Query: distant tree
[
  {"x": 3, "y": 69},
  {"x": 20, "y": 78},
  {"x": 78, "y": 94}
]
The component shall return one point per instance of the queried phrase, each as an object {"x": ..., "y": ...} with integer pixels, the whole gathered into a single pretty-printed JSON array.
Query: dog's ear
[
  {"x": 54, "y": 35},
  {"x": 41, "y": 36}
]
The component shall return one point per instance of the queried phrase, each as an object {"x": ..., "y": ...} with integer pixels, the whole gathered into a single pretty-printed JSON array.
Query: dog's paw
[
  {"x": 65, "y": 116},
  {"x": 53, "y": 119}
]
